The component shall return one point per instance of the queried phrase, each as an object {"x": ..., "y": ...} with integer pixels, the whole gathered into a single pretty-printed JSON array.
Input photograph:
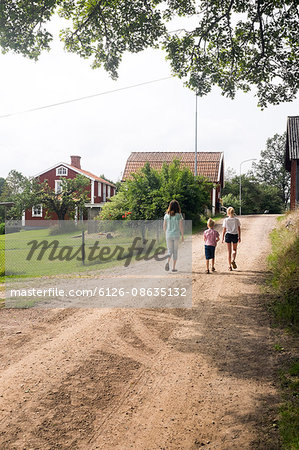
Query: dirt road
[{"x": 147, "y": 379}]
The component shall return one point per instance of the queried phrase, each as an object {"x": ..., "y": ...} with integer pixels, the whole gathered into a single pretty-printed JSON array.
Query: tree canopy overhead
[{"x": 236, "y": 44}]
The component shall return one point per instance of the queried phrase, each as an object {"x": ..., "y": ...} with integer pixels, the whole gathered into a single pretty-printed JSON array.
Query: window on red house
[
  {"x": 58, "y": 186},
  {"x": 37, "y": 211},
  {"x": 61, "y": 171}
]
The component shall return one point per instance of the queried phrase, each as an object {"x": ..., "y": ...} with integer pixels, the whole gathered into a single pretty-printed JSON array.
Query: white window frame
[
  {"x": 58, "y": 183},
  {"x": 35, "y": 213},
  {"x": 99, "y": 189},
  {"x": 65, "y": 169},
  {"x": 92, "y": 192},
  {"x": 213, "y": 202},
  {"x": 109, "y": 192},
  {"x": 104, "y": 192}
]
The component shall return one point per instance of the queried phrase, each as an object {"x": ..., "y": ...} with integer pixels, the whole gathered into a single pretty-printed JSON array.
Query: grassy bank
[
  {"x": 284, "y": 292},
  {"x": 289, "y": 417},
  {"x": 284, "y": 268}
]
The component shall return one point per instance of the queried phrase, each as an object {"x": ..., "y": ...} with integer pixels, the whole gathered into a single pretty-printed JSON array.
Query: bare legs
[
  {"x": 229, "y": 251},
  {"x": 232, "y": 253},
  {"x": 208, "y": 265}
]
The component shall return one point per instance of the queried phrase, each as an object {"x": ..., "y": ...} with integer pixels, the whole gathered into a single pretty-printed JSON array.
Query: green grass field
[{"x": 64, "y": 255}]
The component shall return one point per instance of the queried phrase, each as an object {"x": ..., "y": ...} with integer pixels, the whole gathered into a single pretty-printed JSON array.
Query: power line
[{"x": 79, "y": 99}]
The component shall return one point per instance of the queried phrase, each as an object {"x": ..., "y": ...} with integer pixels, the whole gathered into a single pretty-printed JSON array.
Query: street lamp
[{"x": 246, "y": 160}]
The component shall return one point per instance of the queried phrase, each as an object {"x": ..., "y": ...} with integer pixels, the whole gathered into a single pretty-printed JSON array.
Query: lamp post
[
  {"x": 195, "y": 159},
  {"x": 246, "y": 160}
]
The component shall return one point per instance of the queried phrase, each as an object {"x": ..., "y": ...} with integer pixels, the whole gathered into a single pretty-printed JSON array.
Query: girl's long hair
[{"x": 173, "y": 208}]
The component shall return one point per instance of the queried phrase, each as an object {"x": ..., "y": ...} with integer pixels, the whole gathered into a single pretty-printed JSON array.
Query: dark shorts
[
  {"x": 209, "y": 251},
  {"x": 231, "y": 238}
]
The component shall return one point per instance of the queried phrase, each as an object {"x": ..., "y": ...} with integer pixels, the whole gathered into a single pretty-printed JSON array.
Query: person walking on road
[
  {"x": 232, "y": 235},
  {"x": 173, "y": 227},
  {"x": 211, "y": 237}
]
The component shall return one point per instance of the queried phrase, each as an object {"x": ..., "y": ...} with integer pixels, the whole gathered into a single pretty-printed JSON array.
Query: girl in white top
[{"x": 232, "y": 235}]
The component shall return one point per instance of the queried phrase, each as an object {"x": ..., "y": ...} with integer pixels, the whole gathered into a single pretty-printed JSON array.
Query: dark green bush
[
  {"x": 2, "y": 228},
  {"x": 147, "y": 195}
]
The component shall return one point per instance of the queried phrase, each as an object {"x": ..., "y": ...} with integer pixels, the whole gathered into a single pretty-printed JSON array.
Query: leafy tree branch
[{"x": 236, "y": 44}]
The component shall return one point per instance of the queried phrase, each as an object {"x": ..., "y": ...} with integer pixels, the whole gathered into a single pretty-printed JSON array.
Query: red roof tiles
[
  {"x": 209, "y": 164},
  {"x": 91, "y": 175}
]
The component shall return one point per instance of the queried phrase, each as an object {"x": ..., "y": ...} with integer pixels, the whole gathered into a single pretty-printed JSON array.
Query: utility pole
[{"x": 195, "y": 159}]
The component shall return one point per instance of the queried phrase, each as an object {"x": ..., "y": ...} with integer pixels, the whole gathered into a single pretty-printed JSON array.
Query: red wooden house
[
  {"x": 99, "y": 190},
  {"x": 292, "y": 158},
  {"x": 209, "y": 165}
]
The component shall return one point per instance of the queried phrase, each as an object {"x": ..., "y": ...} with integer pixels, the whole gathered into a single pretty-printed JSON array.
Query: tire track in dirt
[
  {"x": 150, "y": 379},
  {"x": 56, "y": 405},
  {"x": 237, "y": 396}
]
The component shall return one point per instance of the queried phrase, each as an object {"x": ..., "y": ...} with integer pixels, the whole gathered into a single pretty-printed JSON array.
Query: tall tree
[
  {"x": 28, "y": 192},
  {"x": 257, "y": 197},
  {"x": 73, "y": 196},
  {"x": 17, "y": 189},
  {"x": 2, "y": 211},
  {"x": 15, "y": 183},
  {"x": 2, "y": 181},
  {"x": 270, "y": 169},
  {"x": 236, "y": 44}
]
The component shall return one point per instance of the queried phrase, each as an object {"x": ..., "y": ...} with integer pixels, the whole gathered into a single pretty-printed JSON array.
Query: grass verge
[
  {"x": 284, "y": 267},
  {"x": 62, "y": 254},
  {"x": 283, "y": 285},
  {"x": 289, "y": 417}
]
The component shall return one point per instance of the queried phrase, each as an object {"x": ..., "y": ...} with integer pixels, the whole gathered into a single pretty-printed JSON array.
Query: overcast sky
[{"x": 104, "y": 130}]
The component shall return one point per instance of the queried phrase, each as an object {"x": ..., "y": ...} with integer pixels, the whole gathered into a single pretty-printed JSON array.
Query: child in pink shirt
[{"x": 211, "y": 237}]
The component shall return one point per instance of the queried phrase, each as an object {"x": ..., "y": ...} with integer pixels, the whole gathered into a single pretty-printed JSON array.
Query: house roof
[
  {"x": 92, "y": 176},
  {"x": 292, "y": 141},
  {"x": 87, "y": 174},
  {"x": 209, "y": 164},
  {"x": 7, "y": 204}
]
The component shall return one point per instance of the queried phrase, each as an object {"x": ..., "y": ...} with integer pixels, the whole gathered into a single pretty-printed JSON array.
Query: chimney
[{"x": 75, "y": 161}]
